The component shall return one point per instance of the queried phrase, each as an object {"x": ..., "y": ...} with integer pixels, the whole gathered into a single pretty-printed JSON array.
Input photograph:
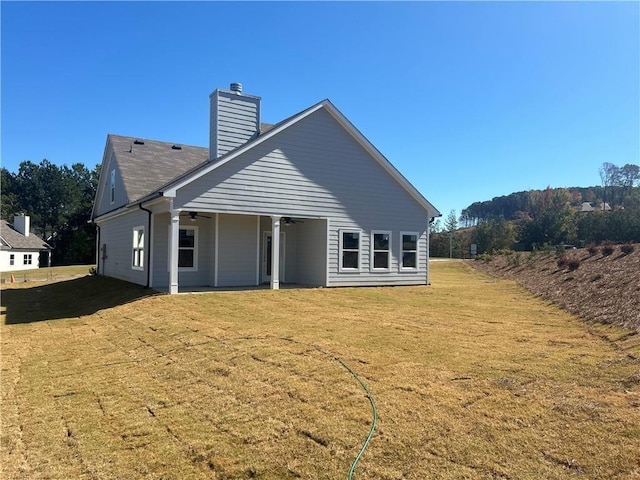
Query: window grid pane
[
  {"x": 350, "y": 259},
  {"x": 187, "y": 239},
  {"x": 409, "y": 242},
  {"x": 185, "y": 258},
  {"x": 350, "y": 240},
  {"x": 409, "y": 259},
  {"x": 350, "y": 250},
  {"x": 381, "y": 260},
  {"x": 381, "y": 241}
]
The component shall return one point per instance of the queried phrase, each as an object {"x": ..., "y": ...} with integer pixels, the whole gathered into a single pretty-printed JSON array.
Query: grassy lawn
[
  {"x": 472, "y": 378},
  {"x": 45, "y": 273}
]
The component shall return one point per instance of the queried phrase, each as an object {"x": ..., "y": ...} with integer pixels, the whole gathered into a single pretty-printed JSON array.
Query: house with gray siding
[{"x": 307, "y": 201}]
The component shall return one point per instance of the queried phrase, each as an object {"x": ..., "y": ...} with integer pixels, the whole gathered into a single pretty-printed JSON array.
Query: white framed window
[
  {"x": 12, "y": 259},
  {"x": 380, "y": 250},
  {"x": 27, "y": 259},
  {"x": 350, "y": 246},
  {"x": 137, "y": 251},
  {"x": 188, "y": 248},
  {"x": 112, "y": 186},
  {"x": 409, "y": 250}
]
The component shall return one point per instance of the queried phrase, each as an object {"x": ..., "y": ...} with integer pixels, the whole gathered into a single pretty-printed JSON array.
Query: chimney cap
[{"x": 236, "y": 87}]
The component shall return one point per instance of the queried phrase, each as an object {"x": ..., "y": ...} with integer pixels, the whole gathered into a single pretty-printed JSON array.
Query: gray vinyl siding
[
  {"x": 312, "y": 248},
  {"x": 104, "y": 201},
  {"x": 204, "y": 276},
  {"x": 235, "y": 119},
  {"x": 237, "y": 250},
  {"x": 117, "y": 235},
  {"x": 316, "y": 169}
]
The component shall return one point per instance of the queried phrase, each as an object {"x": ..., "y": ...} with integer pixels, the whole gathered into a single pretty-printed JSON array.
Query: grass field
[
  {"x": 472, "y": 377},
  {"x": 44, "y": 273}
]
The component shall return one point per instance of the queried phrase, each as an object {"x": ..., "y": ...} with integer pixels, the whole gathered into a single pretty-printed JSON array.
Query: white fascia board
[
  {"x": 127, "y": 208},
  {"x": 112, "y": 214},
  {"x": 171, "y": 190},
  {"x": 381, "y": 159}
]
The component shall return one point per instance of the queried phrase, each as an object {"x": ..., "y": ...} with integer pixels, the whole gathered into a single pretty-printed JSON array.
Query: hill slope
[{"x": 603, "y": 288}]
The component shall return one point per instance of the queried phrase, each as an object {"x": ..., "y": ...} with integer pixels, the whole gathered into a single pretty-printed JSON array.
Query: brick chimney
[
  {"x": 22, "y": 223},
  {"x": 234, "y": 120}
]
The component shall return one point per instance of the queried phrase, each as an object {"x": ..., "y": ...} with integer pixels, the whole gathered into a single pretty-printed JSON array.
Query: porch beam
[
  {"x": 173, "y": 251},
  {"x": 275, "y": 253}
]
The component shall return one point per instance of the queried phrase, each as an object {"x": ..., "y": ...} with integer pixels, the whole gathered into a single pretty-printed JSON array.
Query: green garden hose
[
  {"x": 373, "y": 409},
  {"x": 373, "y": 425},
  {"x": 355, "y": 375}
]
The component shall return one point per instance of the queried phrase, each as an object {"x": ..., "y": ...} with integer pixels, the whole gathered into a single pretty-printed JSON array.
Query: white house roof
[{"x": 11, "y": 239}]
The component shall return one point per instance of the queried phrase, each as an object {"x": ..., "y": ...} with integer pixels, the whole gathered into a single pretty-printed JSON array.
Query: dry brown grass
[
  {"x": 473, "y": 377},
  {"x": 45, "y": 273}
]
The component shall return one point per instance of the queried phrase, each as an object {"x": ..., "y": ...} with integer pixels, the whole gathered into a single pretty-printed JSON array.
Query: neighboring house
[
  {"x": 588, "y": 207},
  {"x": 19, "y": 248},
  {"x": 308, "y": 201}
]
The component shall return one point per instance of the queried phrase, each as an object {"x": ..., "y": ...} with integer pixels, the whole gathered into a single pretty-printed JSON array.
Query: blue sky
[{"x": 468, "y": 100}]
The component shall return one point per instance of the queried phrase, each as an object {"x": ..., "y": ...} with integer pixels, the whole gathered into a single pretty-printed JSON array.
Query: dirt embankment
[{"x": 598, "y": 285}]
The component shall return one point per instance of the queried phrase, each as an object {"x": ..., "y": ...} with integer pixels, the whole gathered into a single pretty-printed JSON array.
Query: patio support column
[
  {"x": 275, "y": 253},
  {"x": 173, "y": 251}
]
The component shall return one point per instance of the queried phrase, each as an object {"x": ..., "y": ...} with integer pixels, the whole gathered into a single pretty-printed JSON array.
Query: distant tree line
[
  {"x": 538, "y": 218},
  {"x": 59, "y": 200}
]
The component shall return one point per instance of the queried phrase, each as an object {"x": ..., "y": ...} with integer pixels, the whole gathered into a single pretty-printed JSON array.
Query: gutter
[{"x": 431, "y": 220}]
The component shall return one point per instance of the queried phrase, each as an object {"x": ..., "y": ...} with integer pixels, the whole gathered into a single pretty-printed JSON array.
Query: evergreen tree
[{"x": 59, "y": 201}]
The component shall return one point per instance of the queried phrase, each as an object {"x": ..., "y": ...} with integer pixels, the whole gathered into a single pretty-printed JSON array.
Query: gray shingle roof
[
  {"x": 15, "y": 240},
  {"x": 147, "y": 166}
]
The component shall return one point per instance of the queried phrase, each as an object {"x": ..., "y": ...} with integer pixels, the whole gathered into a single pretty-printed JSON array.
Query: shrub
[
  {"x": 593, "y": 249},
  {"x": 573, "y": 264},
  {"x": 485, "y": 257},
  {"x": 608, "y": 248},
  {"x": 627, "y": 248},
  {"x": 562, "y": 261}
]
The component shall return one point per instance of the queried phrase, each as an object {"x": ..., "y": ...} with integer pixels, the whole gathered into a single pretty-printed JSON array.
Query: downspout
[
  {"x": 97, "y": 249},
  {"x": 148, "y": 250},
  {"x": 431, "y": 220}
]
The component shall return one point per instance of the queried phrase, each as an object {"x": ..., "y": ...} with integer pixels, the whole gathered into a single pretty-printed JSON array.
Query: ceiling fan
[
  {"x": 193, "y": 216},
  {"x": 291, "y": 221}
]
